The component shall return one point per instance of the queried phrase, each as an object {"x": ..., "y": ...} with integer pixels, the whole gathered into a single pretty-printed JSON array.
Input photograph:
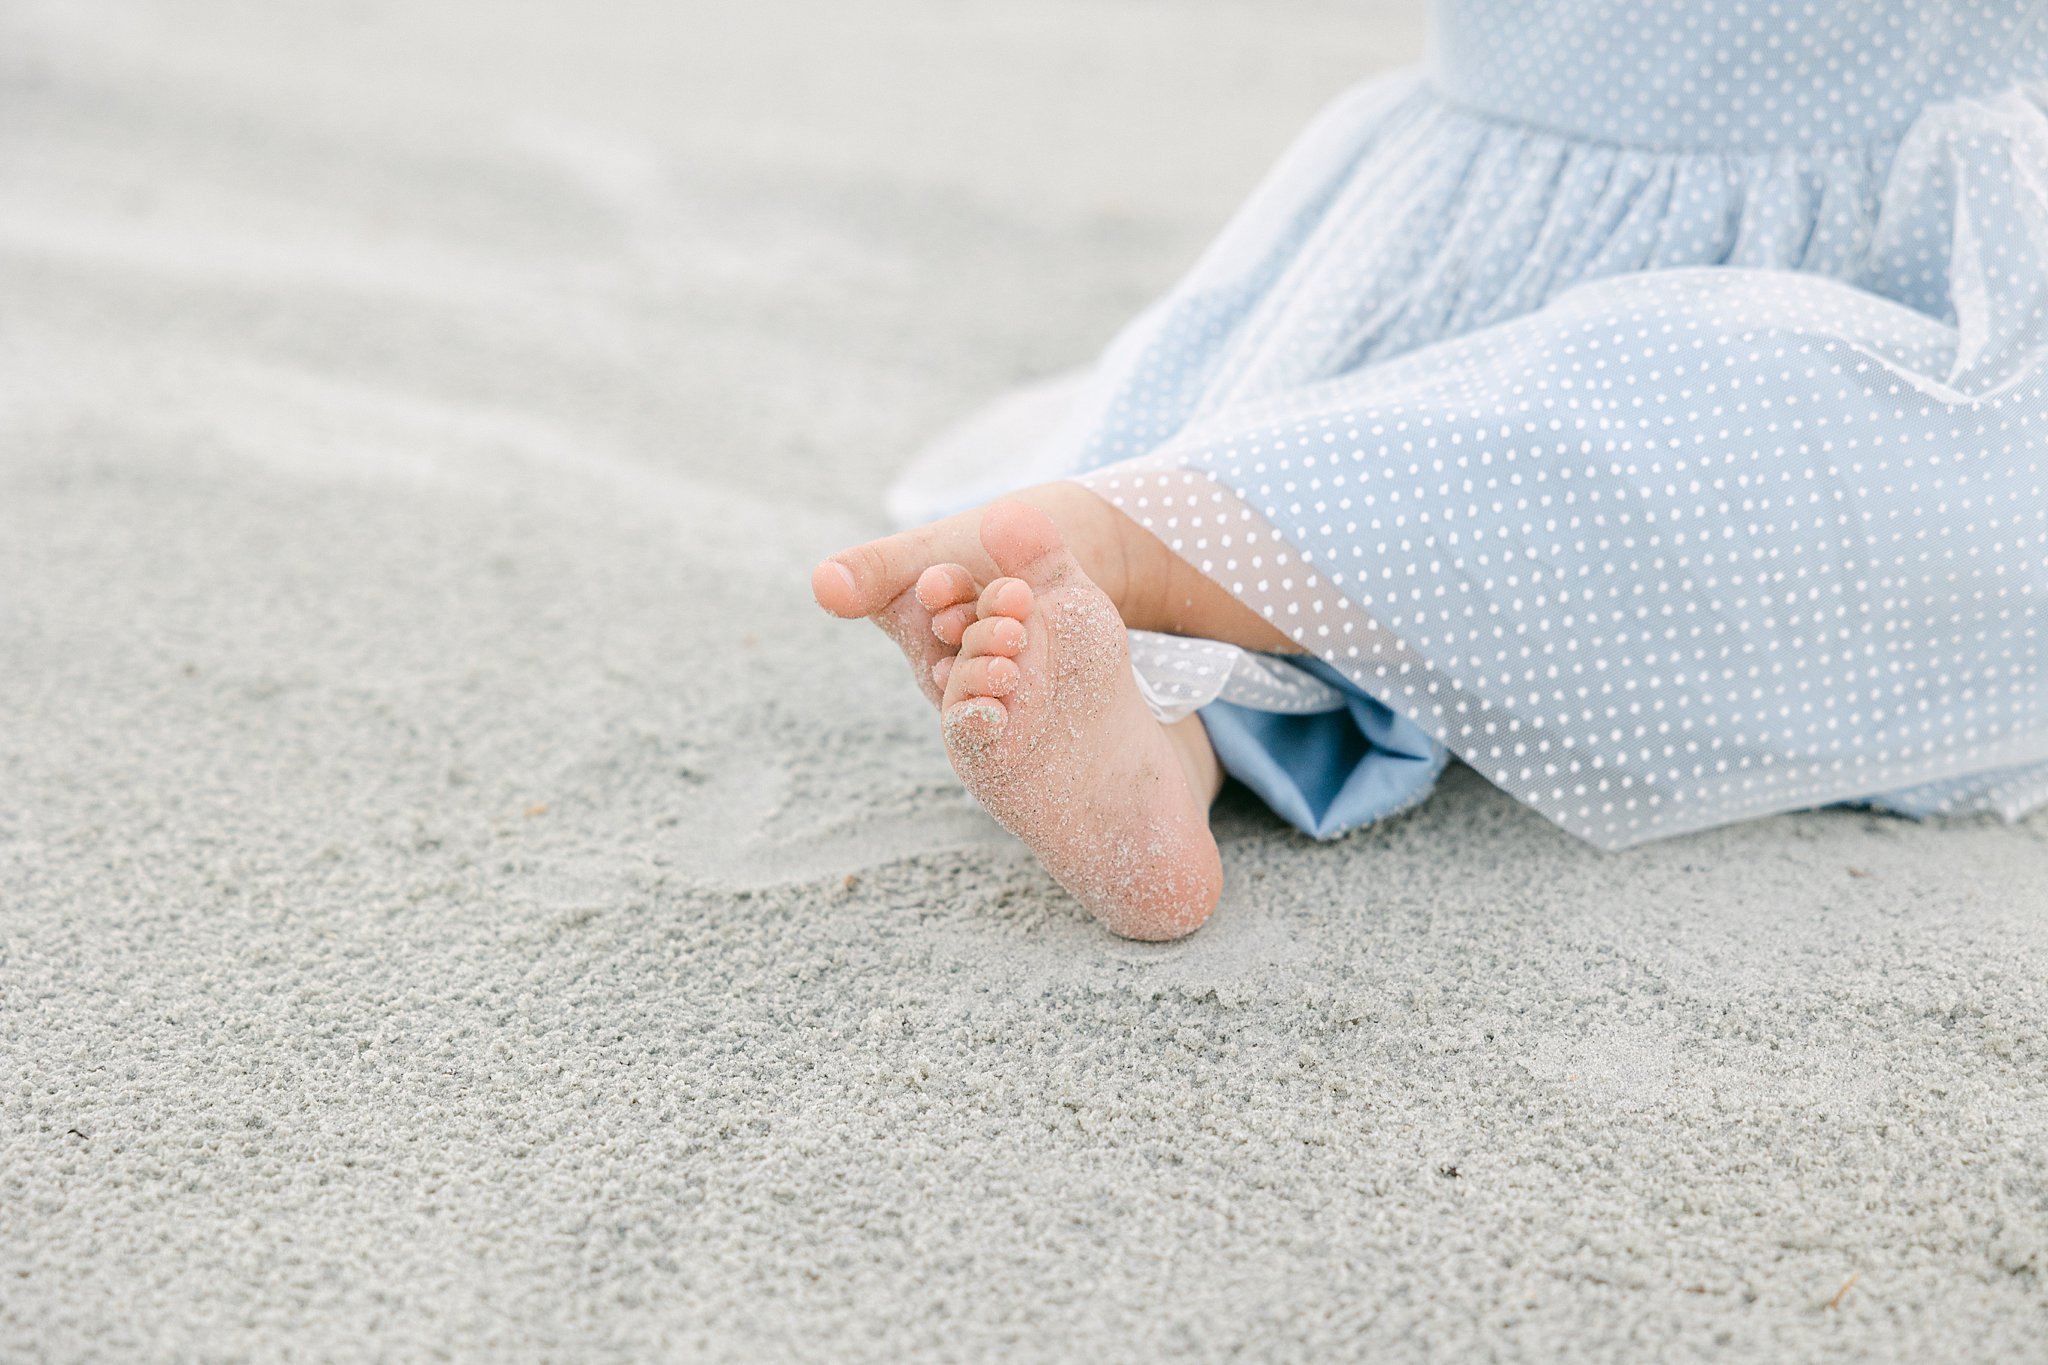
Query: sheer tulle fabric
[{"x": 1664, "y": 485}]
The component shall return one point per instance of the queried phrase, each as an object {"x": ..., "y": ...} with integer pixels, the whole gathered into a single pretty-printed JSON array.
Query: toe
[
  {"x": 942, "y": 669},
  {"x": 988, "y": 676},
  {"x": 867, "y": 578},
  {"x": 1020, "y": 538},
  {"x": 998, "y": 635},
  {"x": 950, "y": 624},
  {"x": 972, "y": 727},
  {"x": 833, "y": 585},
  {"x": 946, "y": 585},
  {"x": 1009, "y": 597}
]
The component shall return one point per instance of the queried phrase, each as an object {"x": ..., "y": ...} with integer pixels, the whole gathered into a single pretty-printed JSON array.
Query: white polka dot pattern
[
  {"x": 1664, "y": 487},
  {"x": 1682, "y": 74}
]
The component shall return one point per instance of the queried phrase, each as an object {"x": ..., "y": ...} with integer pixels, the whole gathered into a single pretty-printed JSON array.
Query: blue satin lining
[{"x": 1331, "y": 772}]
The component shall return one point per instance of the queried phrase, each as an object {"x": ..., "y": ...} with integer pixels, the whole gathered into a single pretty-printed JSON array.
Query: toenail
[{"x": 845, "y": 575}]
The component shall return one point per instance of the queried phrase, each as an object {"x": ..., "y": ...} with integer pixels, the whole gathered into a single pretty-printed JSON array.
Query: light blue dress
[{"x": 1647, "y": 403}]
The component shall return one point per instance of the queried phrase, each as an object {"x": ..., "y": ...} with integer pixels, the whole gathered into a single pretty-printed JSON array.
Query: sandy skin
[{"x": 1044, "y": 724}]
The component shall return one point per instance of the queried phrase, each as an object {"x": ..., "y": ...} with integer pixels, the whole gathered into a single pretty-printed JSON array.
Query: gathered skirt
[{"x": 1668, "y": 471}]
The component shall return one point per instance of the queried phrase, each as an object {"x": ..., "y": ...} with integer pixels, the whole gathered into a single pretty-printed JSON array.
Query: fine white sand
[{"x": 458, "y": 896}]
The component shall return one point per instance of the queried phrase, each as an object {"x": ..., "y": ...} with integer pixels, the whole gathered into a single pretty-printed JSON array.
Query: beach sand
[{"x": 459, "y": 897}]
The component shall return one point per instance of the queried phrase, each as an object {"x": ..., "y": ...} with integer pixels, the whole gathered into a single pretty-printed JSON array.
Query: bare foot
[
  {"x": 1044, "y": 724},
  {"x": 1151, "y": 587}
]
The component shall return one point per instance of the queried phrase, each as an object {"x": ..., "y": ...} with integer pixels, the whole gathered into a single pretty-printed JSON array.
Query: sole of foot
[{"x": 1044, "y": 724}]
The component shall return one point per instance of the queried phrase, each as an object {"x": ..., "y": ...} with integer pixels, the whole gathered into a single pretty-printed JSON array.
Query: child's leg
[{"x": 1042, "y": 717}]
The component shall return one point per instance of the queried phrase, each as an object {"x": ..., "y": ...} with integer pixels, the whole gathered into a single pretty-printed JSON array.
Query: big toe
[
  {"x": 865, "y": 579},
  {"x": 835, "y": 589},
  {"x": 1021, "y": 540}
]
